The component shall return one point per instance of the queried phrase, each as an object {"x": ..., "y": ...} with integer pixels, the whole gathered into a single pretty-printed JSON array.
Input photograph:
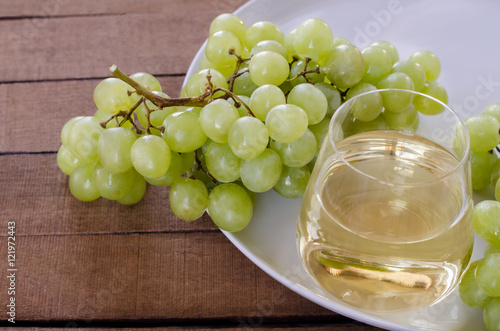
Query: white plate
[{"x": 464, "y": 35}]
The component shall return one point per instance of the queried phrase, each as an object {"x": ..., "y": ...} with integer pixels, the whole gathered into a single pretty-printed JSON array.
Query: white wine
[{"x": 386, "y": 222}]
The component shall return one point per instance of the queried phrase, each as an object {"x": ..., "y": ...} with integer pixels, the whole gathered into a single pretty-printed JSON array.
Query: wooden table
[{"x": 101, "y": 264}]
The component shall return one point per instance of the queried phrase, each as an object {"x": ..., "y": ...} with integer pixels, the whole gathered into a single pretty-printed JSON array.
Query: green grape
[
  {"x": 218, "y": 47},
  {"x": 313, "y": 39},
  {"x": 293, "y": 182},
  {"x": 103, "y": 117},
  {"x": 136, "y": 193},
  {"x": 311, "y": 99},
  {"x": 66, "y": 161},
  {"x": 146, "y": 80},
  {"x": 469, "y": 292},
  {"x": 157, "y": 115},
  {"x": 229, "y": 22},
  {"x": 289, "y": 45},
  {"x": 83, "y": 137},
  {"x": 483, "y": 132},
  {"x": 113, "y": 149},
  {"x": 286, "y": 123},
  {"x": 297, "y": 153},
  {"x": 378, "y": 64},
  {"x": 495, "y": 173},
  {"x": 488, "y": 274},
  {"x": 197, "y": 83},
  {"x": 414, "y": 70},
  {"x": 492, "y": 110},
  {"x": 174, "y": 172},
  {"x": 222, "y": 163},
  {"x": 242, "y": 110},
  {"x": 491, "y": 316},
  {"x": 111, "y": 185},
  {"x": 429, "y": 61},
  {"x": 81, "y": 182},
  {"x": 205, "y": 64},
  {"x": 406, "y": 121},
  {"x": 262, "y": 30},
  {"x": 337, "y": 41},
  {"x": 183, "y": 132},
  {"x": 150, "y": 156},
  {"x": 268, "y": 67},
  {"x": 248, "y": 137},
  {"x": 320, "y": 131},
  {"x": 264, "y": 98},
  {"x": 497, "y": 190},
  {"x": 111, "y": 95},
  {"x": 344, "y": 66},
  {"x": 230, "y": 207},
  {"x": 428, "y": 106},
  {"x": 487, "y": 221},
  {"x": 269, "y": 45},
  {"x": 188, "y": 198},
  {"x": 396, "y": 101},
  {"x": 388, "y": 47},
  {"x": 66, "y": 129},
  {"x": 332, "y": 95},
  {"x": 481, "y": 166},
  {"x": 262, "y": 172},
  {"x": 243, "y": 84},
  {"x": 313, "y": 78},
  {"x": 216, "y": 118},
  {"x": 357, "y": 126},
  {"x": 490, "y": 249},
  {"x": 366, "y": 108}
]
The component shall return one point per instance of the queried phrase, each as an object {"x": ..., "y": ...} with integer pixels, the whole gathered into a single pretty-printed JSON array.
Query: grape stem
[
  {"x": 127, "y": 116},
  {"x": 200, "y": 167},
  {"x": 304, "y": 72},
  {"x": 236, "y": 74}
]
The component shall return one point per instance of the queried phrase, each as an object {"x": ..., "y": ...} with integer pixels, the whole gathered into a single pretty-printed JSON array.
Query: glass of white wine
[{"x": 386, "y": 221}]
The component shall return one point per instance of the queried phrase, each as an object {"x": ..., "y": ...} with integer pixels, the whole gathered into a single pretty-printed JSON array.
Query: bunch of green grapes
[{"x": 250, "y": 120}]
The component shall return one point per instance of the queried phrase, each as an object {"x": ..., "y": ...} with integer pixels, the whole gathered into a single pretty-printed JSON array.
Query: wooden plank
[
  {"x": 151, "y": 277},
  {"x": 42, "y": 108},
  {"x": 38, "y": 199}
]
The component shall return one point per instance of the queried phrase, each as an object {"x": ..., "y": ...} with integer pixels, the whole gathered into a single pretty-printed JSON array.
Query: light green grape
[
  {"x": 344, "y": 66},
  {"x": 396, "y": 101},
  {"x": 497, "y": 190},
  {"x": 481, "y": 166},
  {"x": 157, "y": 115},
  {"x": 492, "y": 110},
  {"x": 230, "y": 207},
  {"x": 469, "y": 291},
  {"x": 269, "y": 45},
  {"x": 313, "y": 39},
  {"x": 378, "y": 63},
  {"x": 487, "y": 221},
  {"x": 83, "y": 138},
  {"x": 368, "y": 107},
  {"x": 188, "y": 163},
  {"x": 261, "y": 173},
  {"x": 197, "y": 83},
  {"x": 188, "y": 198},
  {"x": 66, "y": 161},
  {"x": 113, "y": 149},
  {"x": 248, "y": 137},
  {"x": 311, "y": 100},
  {"x": 183, "y": 132},
  {"x": 218, "y": 46},
  {"x": 66, "y": 129},
  {"x": 297, "y": 153},
  {"x": 495, "y": 173},
  {"x": 268, "y": 67},
  {"x": 286, "y": 123},
  {"x": 243, "y": 84},
  {"x": 406, "y": 121},
  {"x": 429, "y": 61},
  {"x": 388, "y": 47},
  {"x": 150, "y": 156},
  {"x": 414, "y": 70},
  {"x": 483, "y": 132},
  {"x": 428, "y": 106},
  {"x": 229, "y": 22},
  {"x": 81, "y": 182},
  {"x": 357, "y": 126},
  {"x": 216, "y": 118},
  {"x": 491, "y": 317},
  {"x": 205, "y": 64},
  {"x": 332, "y": 96},
  {"x": 337, "y": 41},
  {"x": 242, "y": 110},
  {"x": 174, "y": 172},
  {"x": 110, "y": 185},
  {"x": 222, "y": 163},
  {"x": 490, "y": 249},
  {"x": 313, "y": 78},
  {"x": 146, "y": 80},
  {"x": 289, "y": 45},
  {"x": 293, "y": 182},
  {"x": 320, "y": 131},
  {"x": 136, "y": 193},
  {"x": 111, "y": 95},
  {"x": 264, "y": 98},
  {"x": 263, "y": 30},
  {"x": 488, "y": 274}
]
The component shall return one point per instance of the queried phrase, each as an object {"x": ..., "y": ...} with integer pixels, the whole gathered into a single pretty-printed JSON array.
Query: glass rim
[{"x": 464, "y": 158}]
